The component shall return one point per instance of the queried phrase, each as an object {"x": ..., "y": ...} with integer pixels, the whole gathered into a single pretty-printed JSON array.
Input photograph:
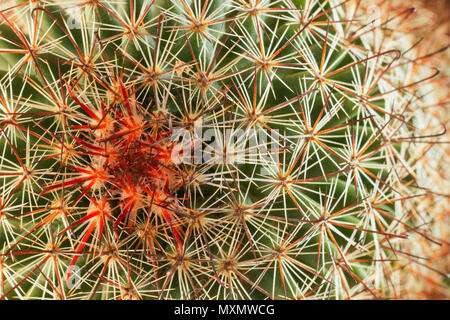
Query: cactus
[{"x": 203, "y": 149}]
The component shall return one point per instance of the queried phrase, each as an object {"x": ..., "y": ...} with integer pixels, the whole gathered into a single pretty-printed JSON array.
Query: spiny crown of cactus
[{"x": 203, "y": 149}]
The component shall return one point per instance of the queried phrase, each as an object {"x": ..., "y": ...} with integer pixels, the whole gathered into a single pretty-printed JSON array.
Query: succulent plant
[{"x": 204, "y": 149}]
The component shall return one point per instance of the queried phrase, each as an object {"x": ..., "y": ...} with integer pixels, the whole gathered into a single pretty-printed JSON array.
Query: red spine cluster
[{"x": 129, "y": 165}]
